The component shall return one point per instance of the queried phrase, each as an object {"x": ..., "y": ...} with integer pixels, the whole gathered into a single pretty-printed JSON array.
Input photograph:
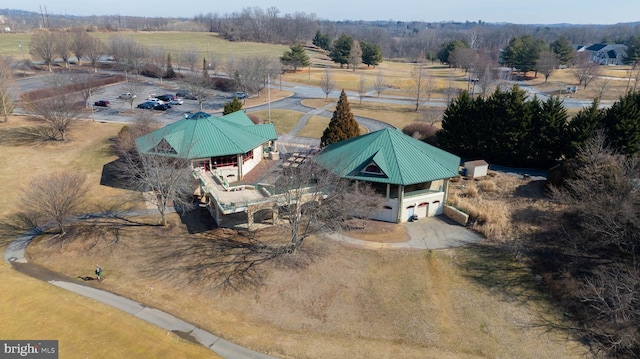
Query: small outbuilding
[{"x": 477, "y": 168}]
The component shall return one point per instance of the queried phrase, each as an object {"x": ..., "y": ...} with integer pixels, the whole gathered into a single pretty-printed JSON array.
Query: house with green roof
[
  {"x": 230, "y": 145},
  {"x": 411, "y": 174}
]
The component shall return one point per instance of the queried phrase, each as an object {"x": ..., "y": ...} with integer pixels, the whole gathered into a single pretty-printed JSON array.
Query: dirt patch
[{"x": 376, "y": 231}]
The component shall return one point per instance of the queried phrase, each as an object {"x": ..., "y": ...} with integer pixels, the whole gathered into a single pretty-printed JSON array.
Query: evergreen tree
[
  {"x": 582, "y": 128},
  {"x": 448, "y": 48},
  {"x": 522, "y": 52},
  {"x": 621, "y": 123},
  {"x": 342, "y": 125},
  {"x": 205, "y": 70},
  {"x": 232, "y": 106},
  {"x": 371, "y": 54},
  {"x": 341, "y": 50},
  {"x": 322, "y": 41},
  {"x": 548, "y": 132},
  {"x": 295, "y": 57},
  {"x": 563, "y": 50},
  {"x": 458, "y": 133},
  {"x": 170, "y": 73}
]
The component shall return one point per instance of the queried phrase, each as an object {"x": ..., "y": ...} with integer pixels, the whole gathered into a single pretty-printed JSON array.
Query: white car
[
  {"x": 126, "y": 96},
  {"x": 176, "y": 101},
  {"x": 153, "y": 99}
]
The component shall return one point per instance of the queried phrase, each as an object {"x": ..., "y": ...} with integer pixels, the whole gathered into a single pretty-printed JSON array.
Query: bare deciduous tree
[
  {"x": 604, "y": 246},
  {"x": 251, "y": 73},
  {"x": 379, "y": 83},
  {"x": 7, "y": 88},
  {"x": 94, "y": 51},
  {"x": 362, "y": 88},
  {"x": 420, "y": 80},
  {"x": 62, "y": 47},
  {"x": 43, "y": 47},
  {"x": 80, "y": 43},
  {"x": 163, "y": 174},
  {"x": 585, "y": 71},
  {"x": 601, "y": 86},
  {"x": 130, "y": 56},
  {"x": 355, "y": 55},
  {"x": 57, "y": 113},
  {"x": 133, "y": 88},
  {"x": 56, "y": 197},
  {"x": 198, "y": 86},
  {"x": 84, "y": 83},
  {"x": 546, "y": 63},
  {"x": 327, "y": 83},
  {"x": 312, "y": 198},
  {"x": 190, "y": 58}
]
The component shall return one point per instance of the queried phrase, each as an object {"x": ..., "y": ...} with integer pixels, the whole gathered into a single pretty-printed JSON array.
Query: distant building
[{"x": 606, "y": 54}]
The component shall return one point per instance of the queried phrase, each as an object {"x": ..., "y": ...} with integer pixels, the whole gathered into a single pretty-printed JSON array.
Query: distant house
[
  {"x": 607, "y": 54},
  {"x": 413, "y": 176},
  {"x": 232, "y": 145}
]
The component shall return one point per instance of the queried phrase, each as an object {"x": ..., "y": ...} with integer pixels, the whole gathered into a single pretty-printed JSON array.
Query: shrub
[{"x": 487, "y": 186}]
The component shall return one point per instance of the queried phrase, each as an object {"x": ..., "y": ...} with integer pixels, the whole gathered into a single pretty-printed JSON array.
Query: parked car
[
  {"x": 166, "y": 97},
  {"x": 127, "y": 96},
  {"x": 154, "y": 99},
  {"x": 162, "y": 106},
  {"x": 146, "y": 105},
  {"x": 102, "y": 103},
  {"x": 186, "y": 95},
  {"x": 176, "y": 101}
]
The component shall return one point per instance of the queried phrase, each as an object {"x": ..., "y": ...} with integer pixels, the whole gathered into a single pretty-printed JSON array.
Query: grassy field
[
  {"x": 174, "y": 42},
  {"x": 31, "y": 309}
]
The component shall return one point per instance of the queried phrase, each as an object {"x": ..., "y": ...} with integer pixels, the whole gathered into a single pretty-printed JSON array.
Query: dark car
[
  {"x": 102, "y": 103},
  {"x": 186, "y": 95},
  {"x": 166, "y": 97},
  {"x": 161, "y": 107},
  {"x": 147, "y": 105}
]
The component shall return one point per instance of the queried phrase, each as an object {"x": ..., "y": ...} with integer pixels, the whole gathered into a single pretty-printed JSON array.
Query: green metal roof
[
  {"x": 401, "y": 159},
  {"x": 202, "y": 135}
]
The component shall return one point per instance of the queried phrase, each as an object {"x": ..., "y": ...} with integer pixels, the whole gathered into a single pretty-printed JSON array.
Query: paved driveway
[{"x": 426, "y": 233}]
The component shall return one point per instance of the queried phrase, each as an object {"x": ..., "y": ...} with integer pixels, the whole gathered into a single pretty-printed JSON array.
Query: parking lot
[{"x": 119, "y": 110}]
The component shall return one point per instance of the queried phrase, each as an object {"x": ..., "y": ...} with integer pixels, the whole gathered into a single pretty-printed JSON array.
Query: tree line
[{"x": 509, "y": 129}]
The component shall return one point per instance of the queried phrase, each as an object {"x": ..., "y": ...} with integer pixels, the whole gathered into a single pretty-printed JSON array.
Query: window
[
  {"x": 247, "y": 156},
  {"x": 373, "y": 169},
  {"x": 226, "y": 161},
  {"x": 164, "y": 147}
]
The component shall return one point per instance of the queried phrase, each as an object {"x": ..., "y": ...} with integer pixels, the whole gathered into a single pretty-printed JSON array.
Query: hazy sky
[{"x": 518, "y": 12}]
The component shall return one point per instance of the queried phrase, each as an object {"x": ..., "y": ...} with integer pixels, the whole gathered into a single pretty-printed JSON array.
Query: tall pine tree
[
  {"x": 621, "y": 124},
  {"x": 170, "y": 71},
  {"x": 342, "y": 125},
  {"x": 582, "y": 128},
  {"x": 458, "y": 133}
]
